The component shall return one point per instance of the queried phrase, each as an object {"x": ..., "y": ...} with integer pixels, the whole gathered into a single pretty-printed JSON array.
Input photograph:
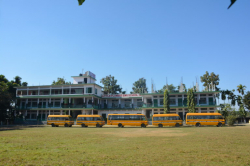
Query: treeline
[{"x": 8, "y": 97}]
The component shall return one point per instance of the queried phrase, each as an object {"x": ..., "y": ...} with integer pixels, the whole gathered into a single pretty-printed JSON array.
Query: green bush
[{"x": 231, "y": 120}]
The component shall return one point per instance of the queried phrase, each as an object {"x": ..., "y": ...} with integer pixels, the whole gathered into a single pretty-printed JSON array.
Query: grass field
[{"x": 125, "y": 146}]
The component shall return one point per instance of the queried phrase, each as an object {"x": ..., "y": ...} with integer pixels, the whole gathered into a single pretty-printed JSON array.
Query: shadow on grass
[{"x": 18, "y": 127}]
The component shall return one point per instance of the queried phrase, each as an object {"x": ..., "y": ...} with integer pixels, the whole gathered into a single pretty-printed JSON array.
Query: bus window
[
  {"x": 126, "y": 117},
  {"x": 97, "y": 118},
  {"x": 156, "y": 118},
  {"x": 89, "y": 118}
]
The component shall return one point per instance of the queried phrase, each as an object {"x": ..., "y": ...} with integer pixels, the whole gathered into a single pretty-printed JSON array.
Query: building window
[
  {"x": 172, "y": 102},
  {"x": 161, "y": 101},
  {"x": 79, "y": 82},
  {"x": 203, "y": 101},
  {"x": 95, "y": 91},
  {"x": 89, "y": 90}
]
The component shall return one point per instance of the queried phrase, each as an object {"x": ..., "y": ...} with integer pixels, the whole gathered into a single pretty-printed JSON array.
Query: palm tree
[{"x": 241, "y": 89}]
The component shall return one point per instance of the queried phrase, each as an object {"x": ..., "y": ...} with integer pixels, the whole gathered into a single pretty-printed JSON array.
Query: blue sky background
[{"x": 43, "y": 40}]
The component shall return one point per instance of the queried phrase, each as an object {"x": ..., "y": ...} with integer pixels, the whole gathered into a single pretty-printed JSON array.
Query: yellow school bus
[
  {"x": 90, "y": 120},
  {"x": 56, "y": 120},
  {"x": 161, "y": 120},
  {"x": 199, "y": 119},
  {"x": 127, "y": 120}
]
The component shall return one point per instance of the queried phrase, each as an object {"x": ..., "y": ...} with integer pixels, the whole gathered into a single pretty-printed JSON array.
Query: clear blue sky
[{"x": 43, "y": 40}]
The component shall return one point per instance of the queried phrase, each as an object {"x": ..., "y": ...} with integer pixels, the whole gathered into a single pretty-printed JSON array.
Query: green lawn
[{"x": 125, "y": 146}]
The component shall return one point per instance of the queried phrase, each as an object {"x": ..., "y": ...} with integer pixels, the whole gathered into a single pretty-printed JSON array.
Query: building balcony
[{"x": 79, "y": 106}]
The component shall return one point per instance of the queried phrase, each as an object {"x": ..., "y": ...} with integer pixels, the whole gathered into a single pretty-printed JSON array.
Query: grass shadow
[{"x": 17, "y": 127}]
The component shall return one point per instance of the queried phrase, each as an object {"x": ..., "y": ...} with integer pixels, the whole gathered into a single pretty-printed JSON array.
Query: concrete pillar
[
  {"x": 183, "y": 112},
  {"x": 92, "y": 112},
  {"x": 60, "y": 112},
  {"x": 152, "y": 101}
]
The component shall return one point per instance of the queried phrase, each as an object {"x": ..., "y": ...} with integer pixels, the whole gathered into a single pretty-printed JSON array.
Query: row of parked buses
[{"x": 122, "y": 120}]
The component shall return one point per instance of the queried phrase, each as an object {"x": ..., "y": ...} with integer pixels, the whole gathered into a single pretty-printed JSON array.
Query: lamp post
[{"x": 8, "y": 115}]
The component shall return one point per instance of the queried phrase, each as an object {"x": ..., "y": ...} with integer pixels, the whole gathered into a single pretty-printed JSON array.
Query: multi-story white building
[{"x": 84, "y": 96}]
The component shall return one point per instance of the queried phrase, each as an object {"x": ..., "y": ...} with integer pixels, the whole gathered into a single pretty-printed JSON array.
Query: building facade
[{"x": 84, "y": 96}]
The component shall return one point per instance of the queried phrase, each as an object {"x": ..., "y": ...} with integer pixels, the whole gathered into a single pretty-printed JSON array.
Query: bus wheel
[
  {"x": 177, "y": 125},
  {"x": 97, "y": 125},
  {"x": 66, "y": 125},
  {"x": 57, "y": 125},
  {"x": 119, "y": 125},
  {"x": 70, "y": 126},
  {"x": 219, "y": 125},
  {"x": 53, "y": 125},
  {"x": 143, "y": 125},
  {"x": 83, "y": 125},
  {"x": 159, "y": 125},
  {"x": 198, "y": 125}
]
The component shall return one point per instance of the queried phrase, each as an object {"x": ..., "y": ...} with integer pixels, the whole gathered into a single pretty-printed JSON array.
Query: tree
[
  {"x": 5, "y": 100},
  {"x": 191, "y": 101},
  {"x": 170, "y": 88},
  {"x": 140, "y": 86},
  {"x": 24, "y": 84},
  {"x": 81, "y": 2},
  {"x": 166, "y": 104},
  {"x": 17, "y": 80},
  {"x": 223, "y": 95},
  {"x": 110, "y": 85},
  {"x": 241, "y": 89},
  {"x": 232, "y": 97},
  {"x": 232, "y": 2},
  {"x": 210, "y": 79},
  {"x": 243, "y": 112},
  {"x": 60, "y": 81},
  {"x": 8, "y": 96},
  {"x": 246, "y": 100},
  {"x": 225, "y": 111}
]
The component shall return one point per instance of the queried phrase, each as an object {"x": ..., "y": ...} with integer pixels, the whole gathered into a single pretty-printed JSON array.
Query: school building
[{"x": 84, "y": 96}]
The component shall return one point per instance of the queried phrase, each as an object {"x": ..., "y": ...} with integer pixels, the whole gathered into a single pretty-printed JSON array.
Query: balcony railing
[{"x": 59, "y": 106}]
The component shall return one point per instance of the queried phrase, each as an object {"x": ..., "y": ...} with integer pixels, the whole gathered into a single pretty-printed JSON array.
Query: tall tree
[
  {"x": 191, "y": 101},
  {"x": 110, "y": 85},
  {"x": 210, "y": 79},
  {"x": 241, "y": 89},
  {"x": 170, "y": 88},
  {"x": 223, "y": 95},
  {"x": 24, "y": 83},
  {"x": 18, "y": 80},
  {"x": 140, "y": 86},
  {"x": 60, "y": 81},
  {"x": 232, "y": 97},
  {"x": 243, "y": 112},
  {"x": 81, "y": 2},
  {"x": 5, "y": 100},
  {"x": 7, "y": 96},
  {"x": 246, "y": 100},
  {"x": 166, "y": 103}
]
